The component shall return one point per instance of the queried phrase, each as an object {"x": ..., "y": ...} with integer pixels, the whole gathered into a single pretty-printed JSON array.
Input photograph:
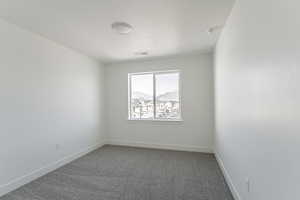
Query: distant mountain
[
  {"x": 168, "y": 96},
  {"x": 141, "y": 95}
]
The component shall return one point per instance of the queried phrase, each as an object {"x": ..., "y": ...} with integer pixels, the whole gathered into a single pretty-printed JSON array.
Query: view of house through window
[{"x": 154, "y": 96}]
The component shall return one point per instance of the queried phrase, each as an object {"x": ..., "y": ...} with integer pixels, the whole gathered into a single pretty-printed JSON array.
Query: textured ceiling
[{"x": 161, "y": 27}]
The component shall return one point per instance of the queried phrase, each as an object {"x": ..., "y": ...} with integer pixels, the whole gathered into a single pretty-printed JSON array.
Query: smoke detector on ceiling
[
  {"x": 121, "y": 27},
  {"x": 213, "y": 29}
]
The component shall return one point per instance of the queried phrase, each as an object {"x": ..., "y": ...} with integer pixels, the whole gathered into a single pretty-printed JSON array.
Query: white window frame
[{"x": 154, "y": 95}]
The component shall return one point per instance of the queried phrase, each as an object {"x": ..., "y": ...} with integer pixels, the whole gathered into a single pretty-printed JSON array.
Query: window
[{"x": 154, "y": 96}]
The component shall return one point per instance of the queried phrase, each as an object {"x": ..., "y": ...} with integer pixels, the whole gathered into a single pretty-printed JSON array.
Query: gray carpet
[{"x": 124, "y": 173}]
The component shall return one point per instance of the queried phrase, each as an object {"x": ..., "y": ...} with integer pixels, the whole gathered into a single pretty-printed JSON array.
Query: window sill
[{"x": 157, "y": 120}]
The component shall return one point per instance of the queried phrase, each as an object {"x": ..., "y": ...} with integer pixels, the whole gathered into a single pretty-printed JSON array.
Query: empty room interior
[{"x": 149, "y": 100}]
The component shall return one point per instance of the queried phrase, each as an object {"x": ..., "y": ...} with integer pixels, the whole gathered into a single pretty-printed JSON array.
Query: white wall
[
  {"x": 257, "y": 98},
  {"x": 49, "y": 95},
  {"x": 194, "y": 133}
]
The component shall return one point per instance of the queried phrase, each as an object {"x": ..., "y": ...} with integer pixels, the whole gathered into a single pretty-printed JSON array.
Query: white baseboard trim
[
  {"x": 161, "y": 146},
  {"x": 228, "y": 178},
  {"x": 20, "y": 181}
]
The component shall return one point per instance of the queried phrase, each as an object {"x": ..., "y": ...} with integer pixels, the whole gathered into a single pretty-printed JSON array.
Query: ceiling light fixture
[{"x": 121, "y": 27}]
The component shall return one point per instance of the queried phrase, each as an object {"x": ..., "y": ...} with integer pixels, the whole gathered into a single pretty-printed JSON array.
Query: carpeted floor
[{"x": 125, "y": 173}]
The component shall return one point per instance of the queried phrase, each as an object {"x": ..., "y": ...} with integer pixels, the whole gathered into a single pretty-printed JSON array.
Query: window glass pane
[
  {"x": 167, "y": 96},
  {"x": 142, "y": 96}
]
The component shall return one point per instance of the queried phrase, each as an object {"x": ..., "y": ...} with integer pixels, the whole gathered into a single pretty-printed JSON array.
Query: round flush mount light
[
  {"x": 141, "y": 53},
  {"x": 121, "y": 27}
]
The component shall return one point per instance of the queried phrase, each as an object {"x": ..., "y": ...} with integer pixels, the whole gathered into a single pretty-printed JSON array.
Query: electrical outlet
[{"x": 248, "y": 185}]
